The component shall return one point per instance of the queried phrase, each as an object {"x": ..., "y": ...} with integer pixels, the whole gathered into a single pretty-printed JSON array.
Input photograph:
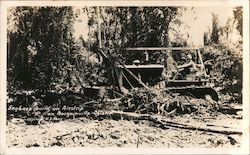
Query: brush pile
[
  {"x": 156, "y": 101},
  {"x": 141, "y": 101}
]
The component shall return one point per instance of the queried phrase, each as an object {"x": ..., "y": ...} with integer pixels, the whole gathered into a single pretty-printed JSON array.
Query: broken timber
[{"x": 166, "y": 124}]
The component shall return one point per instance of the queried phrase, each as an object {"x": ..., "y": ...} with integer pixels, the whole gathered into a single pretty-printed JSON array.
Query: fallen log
[
  {"x": 231, "y": 107},
  {"x": 117, "y": 115}
]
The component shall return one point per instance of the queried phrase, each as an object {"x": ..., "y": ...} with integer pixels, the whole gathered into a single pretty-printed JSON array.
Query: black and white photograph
[{"x": 125, "y": 75}]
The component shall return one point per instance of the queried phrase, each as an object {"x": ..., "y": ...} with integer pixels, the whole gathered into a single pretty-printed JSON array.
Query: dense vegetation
[
  {"x": 44, "y": 55},
  {"x": 226, "y": 53}
]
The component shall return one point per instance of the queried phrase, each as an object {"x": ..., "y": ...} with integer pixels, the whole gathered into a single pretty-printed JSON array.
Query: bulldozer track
[{"x": 195, "y": 91}]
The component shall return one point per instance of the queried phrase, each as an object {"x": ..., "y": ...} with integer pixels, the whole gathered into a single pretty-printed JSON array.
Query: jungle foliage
[
  {"x": 44, "y": 55},
  {"x": 226, "y": 53}
]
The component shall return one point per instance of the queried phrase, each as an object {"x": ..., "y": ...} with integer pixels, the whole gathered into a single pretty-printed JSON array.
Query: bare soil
[{"x": 85, "y": 132}]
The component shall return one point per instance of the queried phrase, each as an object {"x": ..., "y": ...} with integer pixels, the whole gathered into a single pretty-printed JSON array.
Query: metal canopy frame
[{"x": 159, "y": 48}]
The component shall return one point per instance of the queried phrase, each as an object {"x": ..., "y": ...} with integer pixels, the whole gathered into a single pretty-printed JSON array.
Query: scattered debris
[{"x": 85, "y": 132}]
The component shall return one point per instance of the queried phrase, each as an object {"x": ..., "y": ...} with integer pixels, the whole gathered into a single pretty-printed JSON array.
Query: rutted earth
[{"x": 84, "y": 132}]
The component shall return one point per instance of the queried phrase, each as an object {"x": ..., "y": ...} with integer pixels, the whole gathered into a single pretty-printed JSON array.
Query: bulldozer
[{"x": 156, "y": 67}]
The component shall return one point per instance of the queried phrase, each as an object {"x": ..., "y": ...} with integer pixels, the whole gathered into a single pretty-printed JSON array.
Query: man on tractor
[
  {"x": 190, "y": 69},
  {"x": 189, "y": 66}
]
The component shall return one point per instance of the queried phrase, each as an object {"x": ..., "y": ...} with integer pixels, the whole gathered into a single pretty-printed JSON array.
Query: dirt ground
[{"x": 83, "y": 132}]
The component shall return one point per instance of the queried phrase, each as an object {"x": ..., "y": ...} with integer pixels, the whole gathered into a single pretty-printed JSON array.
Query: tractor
[{"x": 159, "y": 68}]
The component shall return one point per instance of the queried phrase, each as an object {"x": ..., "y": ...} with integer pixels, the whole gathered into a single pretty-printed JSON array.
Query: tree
[
  {"x": 238, "y": 18},
  {"x": 136, "y": 26},
  {"x": 40, "y": 46},
  {"x": 206, "y": 39},
  {"x": 227, "y": 54},
  {"x": 215, "y": 29}
]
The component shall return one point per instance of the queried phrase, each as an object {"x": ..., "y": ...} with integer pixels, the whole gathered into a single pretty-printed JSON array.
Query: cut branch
[{"x": 208, "y": 128}]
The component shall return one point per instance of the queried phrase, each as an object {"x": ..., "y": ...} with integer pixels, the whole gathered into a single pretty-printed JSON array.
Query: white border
[
  {"x": 245, "y": 144},
  {"x": 126, "y": 3}
]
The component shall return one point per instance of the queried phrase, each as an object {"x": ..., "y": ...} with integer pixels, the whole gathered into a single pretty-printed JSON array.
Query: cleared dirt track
[{"x": 83, "y": 132}]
